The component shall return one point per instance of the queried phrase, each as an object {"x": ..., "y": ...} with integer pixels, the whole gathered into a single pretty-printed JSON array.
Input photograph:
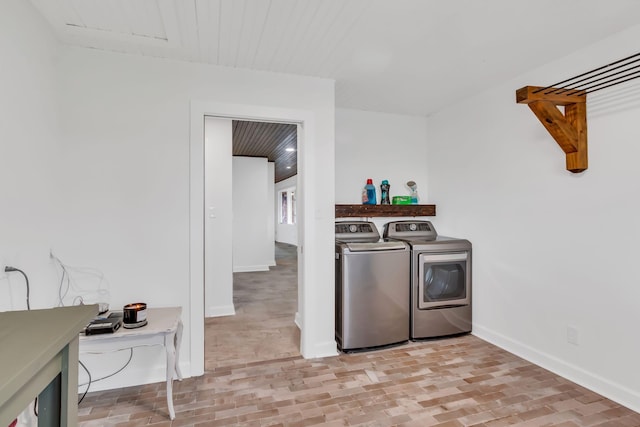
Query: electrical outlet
[{"x": 572, "y": 335}]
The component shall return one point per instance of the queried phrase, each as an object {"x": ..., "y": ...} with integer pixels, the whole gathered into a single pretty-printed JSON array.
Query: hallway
[{"x": 263, "y": 327}]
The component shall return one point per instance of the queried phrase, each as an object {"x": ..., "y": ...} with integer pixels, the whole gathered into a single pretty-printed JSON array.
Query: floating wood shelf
[{"x": 368, "y": 211}]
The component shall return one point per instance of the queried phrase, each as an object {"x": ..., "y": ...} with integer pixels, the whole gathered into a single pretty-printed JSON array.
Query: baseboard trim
[
  {"x": 298, "y": 320},
  {"x": 220, "y": 311},
  {"x": 611, "y": 390},
  {"x": 249, "y": 268},
  {"x": 325, "y": 349}
]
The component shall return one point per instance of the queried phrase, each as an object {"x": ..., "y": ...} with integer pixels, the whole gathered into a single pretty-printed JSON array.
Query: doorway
[
  {"x": 250, "y": 293},
  {"x": 312, "y": 328}
]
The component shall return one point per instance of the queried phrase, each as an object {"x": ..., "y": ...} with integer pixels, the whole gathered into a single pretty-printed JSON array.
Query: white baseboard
[
  {"x": 220, "y": 311},
  {"x": 325, "y": 349},
  {"x": 249, "y": 268},
  {"x": 613, "y": 391}
]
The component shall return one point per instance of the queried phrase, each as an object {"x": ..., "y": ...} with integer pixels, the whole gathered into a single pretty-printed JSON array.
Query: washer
[
  {"x": 440, "y": 279},
  {"x": 372, "y": 288}
]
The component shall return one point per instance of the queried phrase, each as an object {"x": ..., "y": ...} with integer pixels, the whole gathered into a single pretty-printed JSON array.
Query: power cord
[
  {"x": 80, "y": 284},
  {"x": 60, "y": 294},
  {"x": 90, "y": 381},
  {"x": 8, "y": 269}
]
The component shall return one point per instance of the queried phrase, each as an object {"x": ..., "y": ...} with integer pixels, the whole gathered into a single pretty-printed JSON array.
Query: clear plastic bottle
[
  {"x": 414, "y": 197},
  {"x": 369, "y": 193},
  {"x": 384, "y": 193},
  {"x": 414, "y": 192}
]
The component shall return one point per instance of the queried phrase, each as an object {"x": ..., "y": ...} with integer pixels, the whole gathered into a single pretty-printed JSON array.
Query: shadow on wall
[{"x": 614, "y": 100}]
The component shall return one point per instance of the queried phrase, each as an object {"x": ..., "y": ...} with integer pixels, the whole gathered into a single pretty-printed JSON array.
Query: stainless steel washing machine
[
  {"x": 372, "y": 288},
  {"x": 440, "y": 279}
]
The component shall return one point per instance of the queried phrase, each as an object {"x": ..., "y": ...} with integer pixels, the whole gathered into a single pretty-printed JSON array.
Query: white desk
[{"x": 164, "y": 328}]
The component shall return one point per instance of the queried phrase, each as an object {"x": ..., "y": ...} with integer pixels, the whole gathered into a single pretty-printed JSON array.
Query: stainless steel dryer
[
  {"x": 440, "y": 279},
  {"x": 372, "y": 288}
]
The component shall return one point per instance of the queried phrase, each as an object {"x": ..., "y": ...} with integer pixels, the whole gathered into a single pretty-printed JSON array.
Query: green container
[{"x": 401, "y": 200}]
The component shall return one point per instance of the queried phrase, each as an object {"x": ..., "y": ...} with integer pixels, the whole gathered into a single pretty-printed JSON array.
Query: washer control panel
[{"x": 356, "y": 231}]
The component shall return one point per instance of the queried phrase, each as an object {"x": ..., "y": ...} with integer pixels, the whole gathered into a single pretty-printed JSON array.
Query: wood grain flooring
[
  {"x": 263, "y": 327},
  {"x": 255, "y": 377}
]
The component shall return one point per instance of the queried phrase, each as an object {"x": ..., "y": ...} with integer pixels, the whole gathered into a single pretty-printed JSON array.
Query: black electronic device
[{"x": 103, "y": 325}]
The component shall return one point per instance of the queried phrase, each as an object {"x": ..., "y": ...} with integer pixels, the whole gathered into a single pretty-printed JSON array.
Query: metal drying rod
[{"x": 613, "y": 74}]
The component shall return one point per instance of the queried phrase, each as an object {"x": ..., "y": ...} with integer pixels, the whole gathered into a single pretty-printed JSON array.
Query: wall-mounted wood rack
[
  {"x": 570, "y": 129},
  {"x": 368, "y": 211}
]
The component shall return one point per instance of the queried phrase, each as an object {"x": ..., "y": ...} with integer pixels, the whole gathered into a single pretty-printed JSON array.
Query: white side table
[{"x": 164, "y": 328}]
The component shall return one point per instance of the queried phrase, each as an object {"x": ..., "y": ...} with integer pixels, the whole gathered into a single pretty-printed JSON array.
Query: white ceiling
[{"x": 400, "y": 56}]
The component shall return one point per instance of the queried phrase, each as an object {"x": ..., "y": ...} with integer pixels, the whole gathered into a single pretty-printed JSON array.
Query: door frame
[{"x": 199, "y": 110}]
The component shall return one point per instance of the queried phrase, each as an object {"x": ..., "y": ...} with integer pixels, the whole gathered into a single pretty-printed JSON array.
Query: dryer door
[{"x": 444, "y": 280}]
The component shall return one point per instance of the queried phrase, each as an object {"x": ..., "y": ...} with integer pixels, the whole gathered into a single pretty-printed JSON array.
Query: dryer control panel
[{"x": 410, "y": 230}]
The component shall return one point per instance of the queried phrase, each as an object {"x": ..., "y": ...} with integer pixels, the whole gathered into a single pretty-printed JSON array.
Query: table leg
[
  {"x": 178, "y": 340},
  {"x": 49, "y": 404},
  {"x": 69, "y": 408},
  {"x": 169, "y": 344}
]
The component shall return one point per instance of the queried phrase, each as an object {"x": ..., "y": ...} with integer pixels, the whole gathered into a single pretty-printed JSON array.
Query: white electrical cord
[{"x": 85, "y": 285}]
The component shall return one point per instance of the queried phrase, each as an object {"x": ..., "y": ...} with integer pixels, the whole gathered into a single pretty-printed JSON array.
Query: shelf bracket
[{"x": 568, "y": 129}]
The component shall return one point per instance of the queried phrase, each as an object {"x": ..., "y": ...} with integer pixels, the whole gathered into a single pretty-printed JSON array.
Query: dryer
[{"x": 440, "y": 279}]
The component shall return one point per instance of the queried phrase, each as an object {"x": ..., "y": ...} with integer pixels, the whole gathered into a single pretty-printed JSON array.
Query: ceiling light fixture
[{"x": 290, "y": 149}]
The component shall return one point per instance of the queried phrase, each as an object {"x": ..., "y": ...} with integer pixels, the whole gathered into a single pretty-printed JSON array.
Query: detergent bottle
[{"x": 369, "y": 193}]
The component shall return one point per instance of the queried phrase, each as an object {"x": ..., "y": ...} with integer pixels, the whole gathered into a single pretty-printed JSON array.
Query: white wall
[
  {"x": 270, "y": 217},
  {"x": 380, "y": 146},
  {"x": 552, "y": 249},
  {"x": 126, "y": 185},
  {"x": 252, "y": 209},
  {"x": 243, "y": 186},
  {"x": 110, "y": 189},
  {"x": 218, "y": 172},
  {"x": 29, "y": 156},
  {"x": 285, "y": 233}
]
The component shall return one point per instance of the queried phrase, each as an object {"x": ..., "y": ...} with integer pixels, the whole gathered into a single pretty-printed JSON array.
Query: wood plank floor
[{"x": 255, "y": 377}]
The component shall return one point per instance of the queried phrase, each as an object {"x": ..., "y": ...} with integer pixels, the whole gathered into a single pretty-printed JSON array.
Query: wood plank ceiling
[
  {"x": 411, "y": 57},
  {"x": 275, "y": 141}
]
